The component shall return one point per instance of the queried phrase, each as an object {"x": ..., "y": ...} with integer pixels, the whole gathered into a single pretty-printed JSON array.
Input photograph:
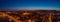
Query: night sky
[{"x": 29, "y": 4}]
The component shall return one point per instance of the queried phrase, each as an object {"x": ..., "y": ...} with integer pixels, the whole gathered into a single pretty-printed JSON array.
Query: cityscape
[
  {"x": 29, "y": 10},
  {"x": 30, "y": 16}
]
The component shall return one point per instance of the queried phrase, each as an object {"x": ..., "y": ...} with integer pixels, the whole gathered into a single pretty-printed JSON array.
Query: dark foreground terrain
[{"x": 30, "y": 16}]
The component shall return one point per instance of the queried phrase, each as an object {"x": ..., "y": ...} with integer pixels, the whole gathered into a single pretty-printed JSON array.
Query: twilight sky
[{"x": 29, "y": 4}]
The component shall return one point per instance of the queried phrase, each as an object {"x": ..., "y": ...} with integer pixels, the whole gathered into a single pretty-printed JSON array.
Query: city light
[{"x": 30, "y": 16}]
